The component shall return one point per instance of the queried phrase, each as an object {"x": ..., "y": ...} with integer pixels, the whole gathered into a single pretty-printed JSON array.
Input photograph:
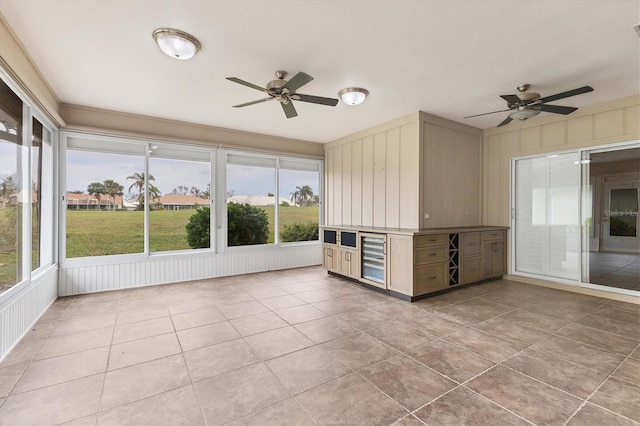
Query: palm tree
[
  {"x": 195, "y": 191},
  {"x": 303, "y": 195},
  {"x": 139, "y": 180},
  {"x": 96, "y": 189},
  {"x": 294, "y": 197},
  {"x": 113, "y": 189}
]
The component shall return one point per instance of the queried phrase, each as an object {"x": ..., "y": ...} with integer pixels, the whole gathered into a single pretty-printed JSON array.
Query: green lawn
[
  {"x": 99, "y": 233},
  {"x": 96, "y": 233}
]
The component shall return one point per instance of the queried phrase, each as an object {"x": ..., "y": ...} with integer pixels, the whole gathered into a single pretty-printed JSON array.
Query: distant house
[
  {"x": 181, "y": 202},
  {"x": 259, "y": 200},
  {"x": 89, "y": 202}
]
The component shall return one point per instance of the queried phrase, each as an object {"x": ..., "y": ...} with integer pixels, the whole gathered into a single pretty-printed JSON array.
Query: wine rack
[{"x": 454, "y": 259}]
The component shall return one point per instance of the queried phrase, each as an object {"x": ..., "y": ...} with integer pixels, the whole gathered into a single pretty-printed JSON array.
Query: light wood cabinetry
[
  {"x": 400, "y": 263},
  {"x": 493, "y": 254},
  {"x": 431, "y": 257},
  {"x": 412, "y": 264},
  {"x": 331, "y": 258},
  {"x": 470, "y": 257},
  {"x": 350, "y": 263}
]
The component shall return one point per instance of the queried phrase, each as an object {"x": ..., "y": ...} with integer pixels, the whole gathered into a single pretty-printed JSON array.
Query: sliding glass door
[
  {"x": 575, "y": 217},
  {"x": 546, "y": 216}
]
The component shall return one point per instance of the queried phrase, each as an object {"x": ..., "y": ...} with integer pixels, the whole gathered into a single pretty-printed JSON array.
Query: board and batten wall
[
  {"x": 392, "y": 174},
  {"x": 372, "y": 177}
]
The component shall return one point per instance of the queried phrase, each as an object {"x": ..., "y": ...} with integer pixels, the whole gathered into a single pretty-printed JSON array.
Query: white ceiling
[{"x": 449, "y": 58}]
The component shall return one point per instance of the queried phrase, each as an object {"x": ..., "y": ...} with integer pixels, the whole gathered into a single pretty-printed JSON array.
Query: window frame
[
  {"x": 143, "y": 147},
  {"x": 30, "y": 111},
  {"x": 222, "y": 212}
]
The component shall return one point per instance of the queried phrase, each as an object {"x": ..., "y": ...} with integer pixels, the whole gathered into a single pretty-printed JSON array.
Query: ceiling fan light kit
[
  {"x": 176, "y": 43},
  {"x": 525, "y": 104},
  {"x": 353, "y": 95}
]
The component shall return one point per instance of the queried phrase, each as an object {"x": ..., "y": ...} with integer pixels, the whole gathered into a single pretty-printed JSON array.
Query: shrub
[
  {"x": 246, "y": 225},
  {"x": 299, "y": 231},
  {"x": 199, "y": 229}
]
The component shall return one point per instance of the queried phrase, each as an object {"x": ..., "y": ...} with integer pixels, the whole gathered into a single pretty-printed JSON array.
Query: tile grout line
[
  {"x": 598, "y": 388},
  {"x": 186, "y": 366}
]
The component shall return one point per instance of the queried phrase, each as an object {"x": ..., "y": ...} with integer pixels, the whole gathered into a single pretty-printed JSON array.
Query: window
[
  {"x": 26, "y": 191},
  {"x": 272, "y": 200},
  {"x": 251, "y": 200},
  {"x": 13, "y": 165},
  {"x": 129, "y": 196},
  {"x": 181, "y": 185},
  {"x": 298, "y": 219},
  {"x": 126, "y": 196},
  {"x": 104, "y": 198}
]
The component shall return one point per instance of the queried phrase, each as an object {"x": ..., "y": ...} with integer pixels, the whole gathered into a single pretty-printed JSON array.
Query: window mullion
[{"x": 146, "y": 200}]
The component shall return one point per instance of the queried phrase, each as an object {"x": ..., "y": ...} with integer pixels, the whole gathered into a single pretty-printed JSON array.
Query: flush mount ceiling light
[
  {"x": 353, "y": 95},
  {"x": 176, "y": 43}
]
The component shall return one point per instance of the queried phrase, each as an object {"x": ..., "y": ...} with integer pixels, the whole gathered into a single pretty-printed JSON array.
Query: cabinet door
[
  {"x": 349, "y": 263},
  {"x": 430, "y": 278},
  {"x": 493, "y": 259},
  {"x": 471, "y": 269},
  {"x": 499, "y": 267},
  {"x": 400, "y": 263},
  {"x": 330, "y": 259}
]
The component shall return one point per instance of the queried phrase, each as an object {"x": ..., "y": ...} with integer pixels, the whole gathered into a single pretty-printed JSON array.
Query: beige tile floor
[{"x": 299, "y": 347}]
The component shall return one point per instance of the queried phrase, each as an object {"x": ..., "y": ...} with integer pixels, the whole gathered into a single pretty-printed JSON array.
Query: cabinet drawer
[
  {"x": 431, "y": 240},
  {"x": 431, "y": 278},
  {"x": 471, "y": 270},
  {"x": 470, "y": 244},
  {"x": 425, "y": 255},
  {"x": 494, "y": 235}
]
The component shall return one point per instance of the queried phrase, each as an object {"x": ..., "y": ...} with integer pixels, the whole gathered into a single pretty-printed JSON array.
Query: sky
[{"x": 84, "y": 168}]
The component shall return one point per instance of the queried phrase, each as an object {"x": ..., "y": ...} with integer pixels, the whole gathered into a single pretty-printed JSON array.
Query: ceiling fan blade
[
  {"x": 297, "y": 81},
  {"x": 246, "y": 83},
  {"x": 289, "y": 110},
  {"x": 556, "y": 109},
  {"x": 487, "y": 113},
  {"x": 567, "y": 94},
  {"x": 253, "y": 102},
  {"x": 512, "y": 99},
  {"x": 314, "y": 99},
  {"x": 505, "y": 121}
]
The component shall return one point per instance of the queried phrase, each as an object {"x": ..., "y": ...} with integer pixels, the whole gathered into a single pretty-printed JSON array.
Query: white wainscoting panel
[
  {"x": 20, "y": 312},
  {"x": 167, "y": 269}
]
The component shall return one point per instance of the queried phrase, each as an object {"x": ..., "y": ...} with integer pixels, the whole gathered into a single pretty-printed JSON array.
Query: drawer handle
[
  {"x": 432, "y": 277},
  {"x": 432, "y": 254}
]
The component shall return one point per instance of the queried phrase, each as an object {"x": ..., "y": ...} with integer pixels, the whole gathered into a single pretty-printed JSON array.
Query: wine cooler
[{"x": 373, "y": 249}]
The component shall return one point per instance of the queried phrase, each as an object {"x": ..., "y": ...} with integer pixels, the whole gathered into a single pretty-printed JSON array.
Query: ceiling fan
[
  {"x": 529, "y": 104},
  {"x": 284, "y": 91}
]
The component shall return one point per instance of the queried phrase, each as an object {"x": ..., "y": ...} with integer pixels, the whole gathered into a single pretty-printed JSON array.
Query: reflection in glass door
[
  {"x": 610, "y": 223},
  {"x": 620, "y": 227}
]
